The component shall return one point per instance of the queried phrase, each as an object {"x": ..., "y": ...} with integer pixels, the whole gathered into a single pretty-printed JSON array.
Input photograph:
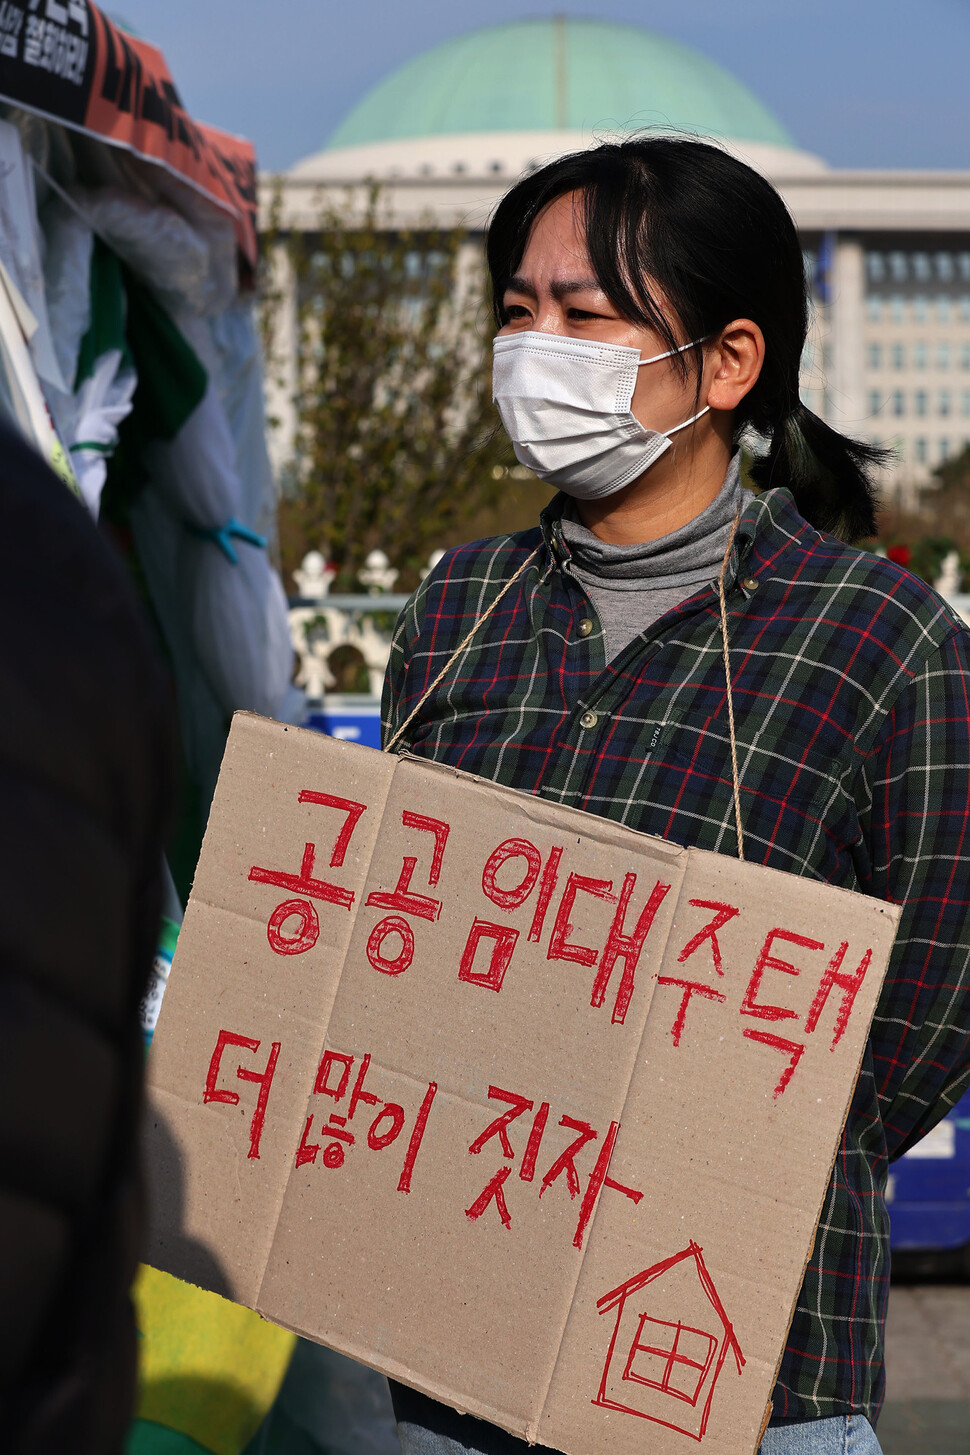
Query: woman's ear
[{"x": 734, "y": 363}]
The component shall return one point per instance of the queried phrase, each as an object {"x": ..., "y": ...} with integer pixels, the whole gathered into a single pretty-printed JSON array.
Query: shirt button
[
  {"x": 750, "y": 583},
  {"x": 585, "y": 627},
  {"x": 588, "y": 720}
]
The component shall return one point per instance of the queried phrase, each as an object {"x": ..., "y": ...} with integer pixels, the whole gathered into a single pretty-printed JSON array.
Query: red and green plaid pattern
[{"x": 852, "y": 710}]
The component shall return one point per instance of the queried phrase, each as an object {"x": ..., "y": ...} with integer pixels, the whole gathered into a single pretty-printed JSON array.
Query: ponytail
[{"x": 829, "y": 475}]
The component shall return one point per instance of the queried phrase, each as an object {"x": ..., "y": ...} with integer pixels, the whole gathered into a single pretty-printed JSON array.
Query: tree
[
  {"x": 946, "y": 503},
  {"x": 924, "y": 538},
  {"x": 398, "y": 443}
]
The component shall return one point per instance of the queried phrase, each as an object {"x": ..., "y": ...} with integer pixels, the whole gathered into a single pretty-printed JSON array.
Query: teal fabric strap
[{"x": 223, "y": 536}]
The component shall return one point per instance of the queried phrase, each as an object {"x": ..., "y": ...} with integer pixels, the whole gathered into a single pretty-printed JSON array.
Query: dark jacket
[{"x": 85, "y": 783}]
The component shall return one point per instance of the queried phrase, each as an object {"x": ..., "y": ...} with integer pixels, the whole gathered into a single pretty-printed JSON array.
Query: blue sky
[{"x": 864, "y": 83}]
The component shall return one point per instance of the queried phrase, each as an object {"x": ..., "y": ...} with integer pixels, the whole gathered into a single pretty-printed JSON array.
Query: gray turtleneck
[{"x": 631, "y": 586}]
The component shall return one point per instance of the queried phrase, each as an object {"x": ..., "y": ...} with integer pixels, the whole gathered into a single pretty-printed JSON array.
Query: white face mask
[{"x": 565, "y": 403}]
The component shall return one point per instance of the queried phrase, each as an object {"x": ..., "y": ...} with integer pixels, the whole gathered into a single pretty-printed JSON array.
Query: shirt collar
[
  {"x": 770, "y": 524},
  {"x": 773, "y": 511}
]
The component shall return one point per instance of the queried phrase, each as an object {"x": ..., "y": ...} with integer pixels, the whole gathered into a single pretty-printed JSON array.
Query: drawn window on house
[{"x": 673, "y": 1358}]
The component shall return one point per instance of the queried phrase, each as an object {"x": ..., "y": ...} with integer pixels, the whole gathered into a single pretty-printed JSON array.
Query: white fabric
[
  {"x": 21, "y": 249},
  {"x": 236, "y": 613},
  {"x": 239, "y": 624},
  {"x": 238, "y": 376},
  {"x": 101, "y": 403},
  {"x": 156, "y": 242},
  {"x": 195, "y": 471},
  {"x": 566, "y": 405},
  {"x": 67, "y": 281}
]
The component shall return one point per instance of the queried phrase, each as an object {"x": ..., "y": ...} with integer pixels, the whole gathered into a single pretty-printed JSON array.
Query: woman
[{"x": 652, "y": 309}]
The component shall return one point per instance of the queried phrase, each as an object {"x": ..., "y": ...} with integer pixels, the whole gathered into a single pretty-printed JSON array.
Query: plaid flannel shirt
[{"x": 852, "y": 706}]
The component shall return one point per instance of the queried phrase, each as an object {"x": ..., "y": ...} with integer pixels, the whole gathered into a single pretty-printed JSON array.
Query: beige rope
[
  {"x": 461, "y": 647},
  {"x": 727, "y": 670},
  {"x": 727, "y": 679}
]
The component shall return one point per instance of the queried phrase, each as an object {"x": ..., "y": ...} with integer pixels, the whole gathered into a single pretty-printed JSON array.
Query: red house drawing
[{"x": 669, "y": 1344}]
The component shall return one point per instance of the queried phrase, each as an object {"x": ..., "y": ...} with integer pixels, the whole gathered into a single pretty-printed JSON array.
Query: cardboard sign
[
  {"x": 523, "y": 1108},
  {"x": 65, "y": 59}
]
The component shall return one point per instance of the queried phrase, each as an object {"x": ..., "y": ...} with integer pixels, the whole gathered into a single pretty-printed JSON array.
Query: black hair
[{"x": 716, "y": 239}]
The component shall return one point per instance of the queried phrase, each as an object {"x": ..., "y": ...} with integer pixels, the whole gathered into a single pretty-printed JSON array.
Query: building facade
[{"x": 888, "y": 253}]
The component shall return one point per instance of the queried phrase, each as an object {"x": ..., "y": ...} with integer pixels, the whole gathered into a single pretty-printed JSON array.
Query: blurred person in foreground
[
  {"x": 86, "y": 774},
  {"x": 652, "y": 307}
]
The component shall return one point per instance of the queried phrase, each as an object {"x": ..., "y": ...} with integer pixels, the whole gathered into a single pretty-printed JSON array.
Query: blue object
[
  {"x": 222, "y": 536},
  {"x": 929, "y": 1188},
  {"x": 354, "y": 719},
  {"x": 825, "y": 268}
]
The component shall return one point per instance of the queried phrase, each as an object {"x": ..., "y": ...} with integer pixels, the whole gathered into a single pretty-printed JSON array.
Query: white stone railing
[{"x": 320, "y": 623}]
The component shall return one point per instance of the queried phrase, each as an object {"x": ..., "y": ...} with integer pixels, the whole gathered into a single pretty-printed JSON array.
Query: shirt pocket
[{"x": 787, "y": 764}]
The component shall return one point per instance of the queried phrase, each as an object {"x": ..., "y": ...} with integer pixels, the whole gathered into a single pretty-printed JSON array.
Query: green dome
[{"x": 558, "y": 75}]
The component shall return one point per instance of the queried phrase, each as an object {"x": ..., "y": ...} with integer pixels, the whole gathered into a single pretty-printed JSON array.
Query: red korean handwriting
[
  {"x": 386, "y": 1126},
  {"x": 628, "y": 948},
  {"x": 850, "y": 985},
  {"x": 263, "y": 1079},
  {"x": 563, "y": 1165},
  {"x": 489, "y": 948},
  {"x": 394, "y": 929},
  {"x": 759, "y": 1002},
  {"x": 284, "y": 937}
]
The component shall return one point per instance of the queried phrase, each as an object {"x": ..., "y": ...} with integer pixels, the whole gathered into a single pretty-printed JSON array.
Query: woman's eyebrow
[
  {"x": 559, "y": 288},
  {"x": 518, "y": 284}
]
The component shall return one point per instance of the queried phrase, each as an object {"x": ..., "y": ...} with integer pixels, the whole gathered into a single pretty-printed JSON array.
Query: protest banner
[
  {"x": 68, "y": 61},
  {"x": 528, "y": 1110}
]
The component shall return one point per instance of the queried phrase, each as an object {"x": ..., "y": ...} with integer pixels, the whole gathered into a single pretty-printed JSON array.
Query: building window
[
  {"x": 922, "y": 401},
  {"x": 965, "y": 357},
  {"x": 944, "y": 402},
  {"x": 965, "y": 309},
  {"x": 875, "y": 356},
  {"x": 921, "y": 311},
  {"x": 921, "y": 451},
  {"x": 965, "y": 403},
  {"x": 875, "y": 401},
  {"x": 944, "y": 267},
  {"x": 943, "y": 310},
  {"x": 876, "y": 267},
  {"x": 897, "y": 266},
  {"x": 899, "y": 356},
  {"x": 943, "y": 449},
  {"x": 919, "y": 356},
  {"x": 899, "y": 403},
  {"x": 963, "y": 263},
  {"x": 943, "y": 356},
  {"x": 874, "y": 308},
  {"x": 921, "y": 267}
]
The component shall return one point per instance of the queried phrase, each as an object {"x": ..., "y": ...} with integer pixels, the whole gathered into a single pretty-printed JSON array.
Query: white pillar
[
  {"x": 846, "y": 408},
  {"x": 281, "y": 361}
]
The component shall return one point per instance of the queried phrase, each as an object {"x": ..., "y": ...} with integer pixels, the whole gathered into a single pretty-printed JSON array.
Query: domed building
[{"x": 449, "y": 131}]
